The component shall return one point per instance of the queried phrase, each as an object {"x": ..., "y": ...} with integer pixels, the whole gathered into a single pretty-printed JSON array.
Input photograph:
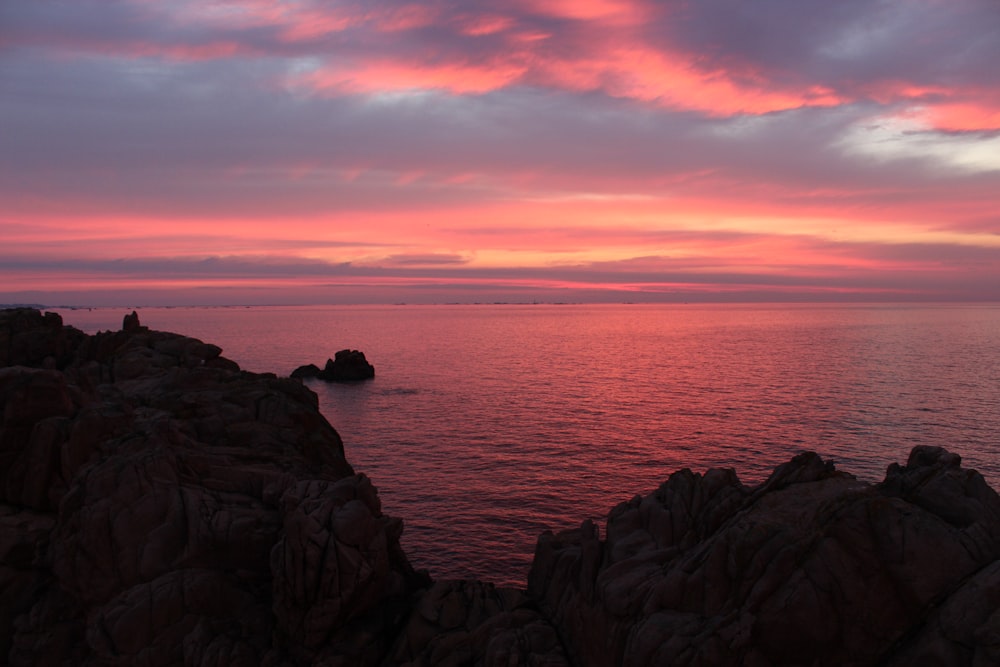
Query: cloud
[
  {"x": 427, "y": 139},
  {"x": 427, "y": 259},
  {"x": 727, "y": 262}
]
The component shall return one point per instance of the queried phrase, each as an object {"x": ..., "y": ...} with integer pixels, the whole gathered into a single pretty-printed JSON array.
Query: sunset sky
[{"x": 306, "y": 151}]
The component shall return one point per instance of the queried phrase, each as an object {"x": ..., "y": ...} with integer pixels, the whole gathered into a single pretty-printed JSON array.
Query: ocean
[{"x": 488, "y": 424}]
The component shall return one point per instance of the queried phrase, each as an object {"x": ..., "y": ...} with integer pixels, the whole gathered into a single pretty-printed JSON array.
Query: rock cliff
[{"x": 160, "y": 506}]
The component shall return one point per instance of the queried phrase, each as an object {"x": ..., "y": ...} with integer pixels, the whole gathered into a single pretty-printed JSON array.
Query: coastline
[{"x": 145, "y": 471}]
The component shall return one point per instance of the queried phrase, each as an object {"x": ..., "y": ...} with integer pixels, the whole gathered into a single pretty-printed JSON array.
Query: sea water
[{"x": 488, "y": 424}]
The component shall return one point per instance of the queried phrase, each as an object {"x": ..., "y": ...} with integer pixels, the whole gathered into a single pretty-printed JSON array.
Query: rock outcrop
[
  {"x": 812, "y": 567},
  {"x": 346, "y": 366},
  {"x": 159, "y": 506}
]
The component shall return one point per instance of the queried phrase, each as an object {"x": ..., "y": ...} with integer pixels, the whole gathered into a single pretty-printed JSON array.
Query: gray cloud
[{"x": 121, "y": 108}]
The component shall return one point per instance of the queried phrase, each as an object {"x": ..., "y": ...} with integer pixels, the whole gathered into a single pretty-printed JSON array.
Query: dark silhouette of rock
[
  {"x": 131, "y": 322},
  {"x": 307, "y": 371},
  {"x": 159, "y": 506},
  {"x": 811, "y": 567},
  {"x": 346, "y": 366},
  {"x": 474, "y": 623},
  {"x": 29, "y": 338}
]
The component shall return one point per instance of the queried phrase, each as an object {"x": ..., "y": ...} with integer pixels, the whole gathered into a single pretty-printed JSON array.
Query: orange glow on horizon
[{"x": 597, "y": 145}]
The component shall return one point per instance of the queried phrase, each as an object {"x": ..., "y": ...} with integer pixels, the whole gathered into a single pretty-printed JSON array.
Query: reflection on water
[{"x": 485, "y": 425}]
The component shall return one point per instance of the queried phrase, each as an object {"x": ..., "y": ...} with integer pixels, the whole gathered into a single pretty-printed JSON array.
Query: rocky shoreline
[{"x": 160, "y": 506}]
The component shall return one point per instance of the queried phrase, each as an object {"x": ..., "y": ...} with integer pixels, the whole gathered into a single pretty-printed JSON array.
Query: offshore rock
[
  {"x": 159, "y": 506},
  {"x": 346, "y": 366},
  {"x": 307, "y": 371},
  {"x": 811, "y": 567}
]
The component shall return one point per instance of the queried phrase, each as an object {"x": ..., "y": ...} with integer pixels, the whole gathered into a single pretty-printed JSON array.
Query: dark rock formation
[
  {"x": 307, "y": 371},
  {"x": 346, "y": 366},
  {"x": 131, "y": 322},
  {"x": 29, "y": 338},
  {"x": 159, "y": 506},
  {"x": 812, "y": 567},
  {"x": 473, "y": 623}
]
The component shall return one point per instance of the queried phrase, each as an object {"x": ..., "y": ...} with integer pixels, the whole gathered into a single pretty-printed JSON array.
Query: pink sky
[{"x": 254, "y": 151}]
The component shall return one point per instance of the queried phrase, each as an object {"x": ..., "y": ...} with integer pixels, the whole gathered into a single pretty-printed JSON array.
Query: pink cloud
[
  {"x": 973, "y": 115},
  {"x": 617, "y": 12},
  {"x": 484, "y": 24},
  {"x": 588, "y": 145},
  {"x": 396, "y": 76}
]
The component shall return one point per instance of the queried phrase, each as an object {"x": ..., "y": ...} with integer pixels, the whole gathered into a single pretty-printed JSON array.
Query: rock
[
  {"x": 159, "y": 506},
  {"x": 963, "y": 630},
  {"x": 346, "y": 366},
  {"x": 474, "y": 623},
  {"x": 307, "y": 371},
  {"x": 337, "y": 570},
  {"x": 131, "y": 322},
  {"x": 811, "y": 567},
  {"x": 30, "y": 338}
]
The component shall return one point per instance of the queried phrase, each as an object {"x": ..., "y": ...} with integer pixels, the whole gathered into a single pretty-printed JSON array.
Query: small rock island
[
  {"x": 346, "y": 366},
  {"x": 160, "y": 506}
]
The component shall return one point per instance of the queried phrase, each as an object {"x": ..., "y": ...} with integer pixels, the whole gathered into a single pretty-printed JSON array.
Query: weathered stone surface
[
  {"x": 474, "y": 623},
  {"x": 811, "y": 567},
  {"x": 963, "y": 630},
  {"x": 336, "y": 571}
]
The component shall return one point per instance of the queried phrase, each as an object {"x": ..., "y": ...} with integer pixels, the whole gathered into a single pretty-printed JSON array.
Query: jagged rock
[
  {"x": 346, "y": 366},
  {"x": 157, "y": 506},
  {"x": 336, "y": 571},
  {"x": 29, "y": 338},
  {"x": 130, "y": 322},
  {"x": 811, "y": 567}
]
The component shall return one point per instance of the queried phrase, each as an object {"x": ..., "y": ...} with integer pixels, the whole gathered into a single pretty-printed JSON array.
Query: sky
[{"x": 306, "y": 151}]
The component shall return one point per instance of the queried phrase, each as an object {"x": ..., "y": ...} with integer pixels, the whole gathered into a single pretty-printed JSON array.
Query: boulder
[{"x": 307, "y": 371}]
